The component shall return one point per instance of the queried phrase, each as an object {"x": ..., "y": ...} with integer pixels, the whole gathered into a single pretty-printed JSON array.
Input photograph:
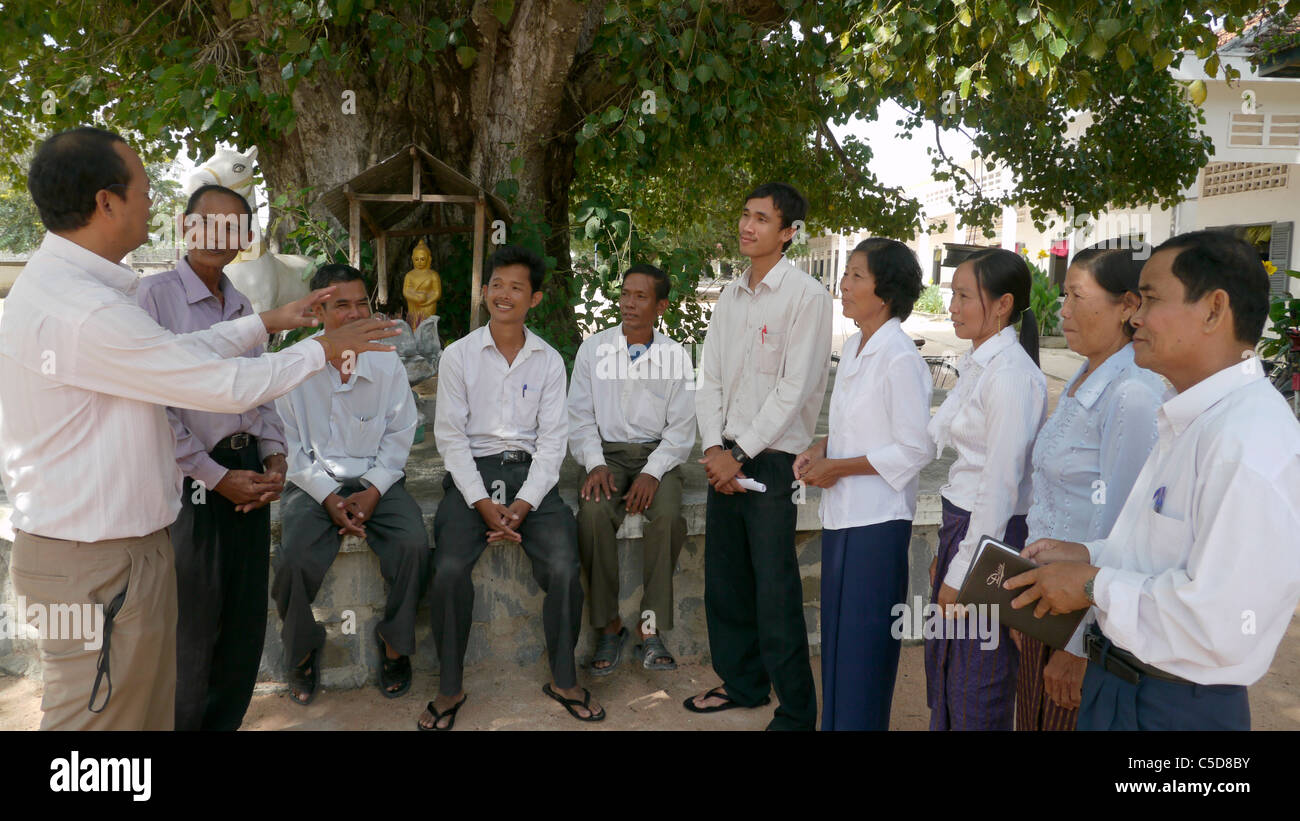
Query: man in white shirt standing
[
  {"x": 349, "y": 430},
  {"x": 632, "y": 426},
  {"x": 763, "y": 376},
  {"x": 1195, "y": 585},
  {"x": 87, "y": 455},
  {"x": 501, "y": 427}
]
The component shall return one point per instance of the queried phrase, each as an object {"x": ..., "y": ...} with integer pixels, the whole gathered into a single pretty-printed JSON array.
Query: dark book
[{"x": 995, "y": 562}]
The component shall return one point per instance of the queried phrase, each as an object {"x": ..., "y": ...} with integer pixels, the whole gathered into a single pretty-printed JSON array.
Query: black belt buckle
[
  {"x": 239, "y": 441},
  {"x": 515, "y": 456}
]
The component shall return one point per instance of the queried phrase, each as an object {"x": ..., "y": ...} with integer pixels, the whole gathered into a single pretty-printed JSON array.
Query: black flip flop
[
  {"x": 437, "y": 716},
  {"x": 729, "y": 704},
  {"x": 571, "y": 703},
  {"x": 392, "y": 671},
  {"x": 301, "y": 680}
]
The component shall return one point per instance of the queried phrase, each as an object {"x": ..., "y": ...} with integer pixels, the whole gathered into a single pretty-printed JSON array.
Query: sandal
[
  {"x": 571, "y": 703},
  {"x": 305, "y": 678},
  {"x": 392, "y": 671},
  {"x": 437, "y": 716},
  {"x": 653, "y": 650},
  {"x": 728, "y": 704},
  {"x": 609, "y": 648}
]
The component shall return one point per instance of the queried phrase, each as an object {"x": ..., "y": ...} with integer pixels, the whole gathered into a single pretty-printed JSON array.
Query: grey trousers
[
  {"x": 309, "y": 542},
  {"x": 661, "y": 542},
  {"x": 550, "y": 541}
]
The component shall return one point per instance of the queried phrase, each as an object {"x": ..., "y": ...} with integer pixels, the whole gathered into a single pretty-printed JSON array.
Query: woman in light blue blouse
[{"x": 1087, "y": 457}]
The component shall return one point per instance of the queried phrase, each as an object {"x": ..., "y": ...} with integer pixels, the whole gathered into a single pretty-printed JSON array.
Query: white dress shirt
[
  {"x": 880, "y": 407},
  {"x": 487, "y": 405},
  {"x": 86, "y": 451},
  {"x": 765, "y": 362},
  {"x": 1205, "y": 586},
  {"x": 990, "y": 418},
  {"x": 613, "y": 398},
  {"x": 359, "y": 430}
]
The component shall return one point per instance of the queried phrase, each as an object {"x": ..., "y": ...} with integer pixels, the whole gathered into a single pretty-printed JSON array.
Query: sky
[{"x": 898, "y": 161}]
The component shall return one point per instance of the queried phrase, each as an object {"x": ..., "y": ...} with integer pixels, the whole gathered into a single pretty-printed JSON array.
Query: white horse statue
[{"x": 268, "y": 280}]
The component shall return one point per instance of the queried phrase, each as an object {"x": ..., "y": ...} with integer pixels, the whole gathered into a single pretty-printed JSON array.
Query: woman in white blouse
[
  {"x": 868, "y": 468},
  {"x": 1087, "y": 457},
  {"x": 990, "y": 418}
]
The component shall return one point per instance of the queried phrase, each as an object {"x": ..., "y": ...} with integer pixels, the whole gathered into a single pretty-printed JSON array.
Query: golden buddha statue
[{"x": 421, "y": 286}]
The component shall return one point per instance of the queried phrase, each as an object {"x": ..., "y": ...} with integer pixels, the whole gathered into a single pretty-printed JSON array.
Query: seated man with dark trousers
[
  {"x": 1195, "y": 586},
  {"x": 349, "y": 430},
  {"x": 632, "y": 425},
  {"x": 501, "y": 427},
  {"x": 234, "y": 467}
]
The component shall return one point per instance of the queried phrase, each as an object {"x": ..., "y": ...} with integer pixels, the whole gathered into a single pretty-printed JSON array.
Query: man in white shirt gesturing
[
  {"x": 1197, "y": 581},
  {"x": 632, "y": 426},
  {"x": 349, "y": 430},
  {"x": 86, "y": 452}
]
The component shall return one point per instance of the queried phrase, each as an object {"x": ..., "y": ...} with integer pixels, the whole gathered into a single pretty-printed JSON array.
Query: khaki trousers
[
  {"x": 57, "y": 577},
  {"x": 663, "y": 536}
]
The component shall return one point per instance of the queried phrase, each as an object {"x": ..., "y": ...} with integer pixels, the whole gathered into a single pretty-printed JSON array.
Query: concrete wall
[{"x": 508, "y": 603}]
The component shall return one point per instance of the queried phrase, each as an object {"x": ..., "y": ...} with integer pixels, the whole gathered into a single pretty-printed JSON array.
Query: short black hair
[
  {"x": 211, "y": 188},
  {"x": 518, "y": 255},
  {"x": 335, "y": 272},
  {"x": 896, "y": 271},
  {"x": 1117, "y": 271},
  {"x": 662, "y": 284},
  {"x": 999, "y": 271},
  {"x": 69, "y": 169},
  {"x": 788, "y": 201},
  {"x": 1209, "y": 260}
]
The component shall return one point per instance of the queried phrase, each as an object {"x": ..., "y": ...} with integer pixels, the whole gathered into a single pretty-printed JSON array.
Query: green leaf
[
  {"x": 723, "y": 70},
  {"x": 516, "y": 166},
  {"x": 639, "y": 136},
  {"x": 343, "y": 11},
  {"x": 502, "y": 10},
  {"x": 613, "y": 12},
  {"x": 1057, "y": 46},
  {"x": 613, "y": 114},
  {"x": 239, "y": 9},
  {"x": 703, "y": 73},
  {"x": 1042, "y": 29},
  {"x": 1108, "y": 27},
  {"x": 1124, "y": 57},
  {"x": 1162, "y": 58},
  {"x": 1212, "y": 65},
  {"x": 295, "y": 42},
  {"x": 466, "y": 55},
  {"x": 1094, "y": 47},
  {"x": 1019, "y": 52},
  {"x": 680, "y": 81},
  {"x": 1024, "y": 14}
]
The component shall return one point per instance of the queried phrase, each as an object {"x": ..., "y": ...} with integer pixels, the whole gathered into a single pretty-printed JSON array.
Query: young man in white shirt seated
[
  {"x": 501, "y": 428},
  {"x": 632, "y": 426},
  {"x": 1196, "y": 584},
  {"x": 349, "y": 430}
]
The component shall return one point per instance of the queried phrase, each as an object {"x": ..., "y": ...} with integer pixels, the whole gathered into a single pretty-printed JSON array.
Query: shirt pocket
[
  {"x": 525, "y": 407},
  {"x": 1169, "y": 539},
  {"x": 646, "y": 405},
  {"x": 361, "y": 436},
  {"x": 771, "y": 352}
]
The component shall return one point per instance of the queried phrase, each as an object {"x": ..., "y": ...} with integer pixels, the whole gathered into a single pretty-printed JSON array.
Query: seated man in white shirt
[
  {"x": 349, "y": 430},
  {"x": 1195, "y": 585},
  {"x": 501, "y": 429},
  {"x": 632, "y": 425}
]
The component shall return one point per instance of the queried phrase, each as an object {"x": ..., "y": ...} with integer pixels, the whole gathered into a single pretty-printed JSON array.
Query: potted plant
[{"x": 1045, "y": 300}]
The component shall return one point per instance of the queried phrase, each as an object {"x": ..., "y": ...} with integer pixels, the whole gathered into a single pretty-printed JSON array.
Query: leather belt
[
  {"x": 236, "y": 441},
  {"x": 729, "y": 444},
  {"x": 514, "y": 456},
  {"x": 1103, "y": 652}
]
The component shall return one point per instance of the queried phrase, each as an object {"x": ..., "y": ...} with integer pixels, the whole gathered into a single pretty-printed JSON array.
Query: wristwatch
[
  {"x": 739, "y": 455},
  {"x": 1087, "y": 590}
]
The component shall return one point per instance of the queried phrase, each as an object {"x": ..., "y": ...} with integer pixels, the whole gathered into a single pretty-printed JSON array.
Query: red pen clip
[{"x": 762, "y": 335}]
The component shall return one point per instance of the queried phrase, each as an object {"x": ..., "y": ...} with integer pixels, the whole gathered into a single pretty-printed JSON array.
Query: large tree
[{"x": 668, "y": 109}]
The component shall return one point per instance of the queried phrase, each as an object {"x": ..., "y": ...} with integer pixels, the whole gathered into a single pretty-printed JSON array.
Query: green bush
[
  {"x": 930, "y": 301},
  {"x": 1044, "y": 299}
]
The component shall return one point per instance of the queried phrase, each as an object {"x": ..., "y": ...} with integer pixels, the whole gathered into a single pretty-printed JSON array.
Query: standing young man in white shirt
[
  {"x": 1195, "y": 585},
  {"x": 86, "y": 452},
  {"x": 763, "y": 376},
  {"x": 501, "y": 427},
  {"x": 349, "y": 430},
  {"x": 632, "y": 426}
]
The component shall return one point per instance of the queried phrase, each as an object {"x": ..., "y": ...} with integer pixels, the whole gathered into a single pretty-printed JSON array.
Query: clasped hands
[
  {"x": 352, "y": 512},
  {"x": 722, "y": 470},
  {"x": 249, "y": 489}
]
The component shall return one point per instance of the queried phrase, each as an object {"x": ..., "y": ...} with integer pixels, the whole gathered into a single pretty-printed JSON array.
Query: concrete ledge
[{"x": 508, "y": 603}]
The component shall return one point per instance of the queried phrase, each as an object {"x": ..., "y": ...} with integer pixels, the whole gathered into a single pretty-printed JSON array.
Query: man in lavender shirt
[{"x": 234, "y": 466}]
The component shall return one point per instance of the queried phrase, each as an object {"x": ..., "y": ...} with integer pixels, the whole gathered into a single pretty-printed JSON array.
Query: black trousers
[
  {"x": 308, "y": 545},
  {"x": 550, "y": 540},
  {"x": 753, "y": 595},
  {"x": 221, "y": 569}
]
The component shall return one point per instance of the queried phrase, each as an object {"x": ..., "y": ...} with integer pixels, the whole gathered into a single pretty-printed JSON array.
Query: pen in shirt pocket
[
  {"x": 524, "y": 393},
  {"x": 1158, "y": 500}
]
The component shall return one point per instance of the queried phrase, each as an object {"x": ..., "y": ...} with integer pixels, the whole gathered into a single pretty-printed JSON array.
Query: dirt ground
[{"x": 506, "y": 697}]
